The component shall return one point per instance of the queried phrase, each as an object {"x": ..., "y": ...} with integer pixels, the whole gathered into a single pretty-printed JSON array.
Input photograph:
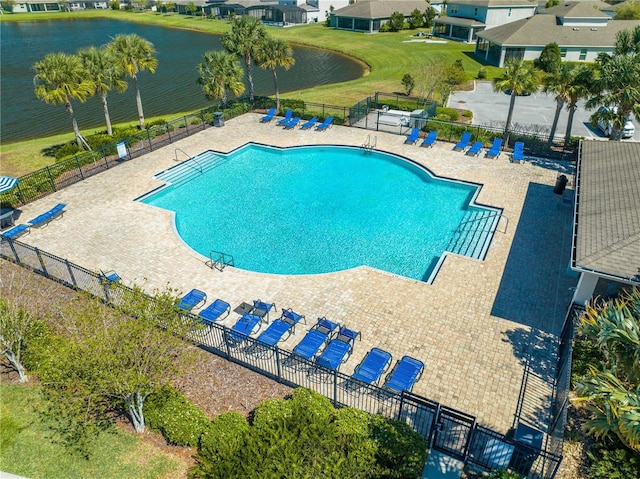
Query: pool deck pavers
[{"x": 473, "y": 332}]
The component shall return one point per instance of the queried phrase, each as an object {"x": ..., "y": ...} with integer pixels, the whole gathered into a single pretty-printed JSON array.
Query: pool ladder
[
  {"x": 370, "y": 143},
  {"x": 219, "y": 260},
  {"x": 191, "y": 158}
]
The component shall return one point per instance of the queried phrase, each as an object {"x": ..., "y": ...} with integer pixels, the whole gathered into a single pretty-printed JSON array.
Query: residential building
[
  {"x": 369, "y": 15},
  {"x": 465, "y": 18}
]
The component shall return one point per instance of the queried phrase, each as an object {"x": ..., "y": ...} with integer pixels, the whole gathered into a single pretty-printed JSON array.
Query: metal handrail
[
  {"x": 189, "y": 157},
  {"x": 221, "y": 262}
]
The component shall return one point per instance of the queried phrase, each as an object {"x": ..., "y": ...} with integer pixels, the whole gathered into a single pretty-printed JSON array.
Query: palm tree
[
  {"x": 244, "y": 40},
  {"x": 59, "y": 78},
  {"x": 272, "y": 53},
  {"x": 580, "y": 89},
  {"x": 105, "y": 73},
  {"x": 133, "y": 55},
  {"x": 518, "y": 77},
  {"x": 612, "y": 390},
  {"x": 220, "y": 71},
  {"x": 617, "y": 83},
  {"x": 558, "y": 84}
]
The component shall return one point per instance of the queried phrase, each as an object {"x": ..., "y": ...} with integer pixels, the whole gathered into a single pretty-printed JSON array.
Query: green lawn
[
  {"x": 25, "y": 449},
  {"x": 388, "y": 56}
]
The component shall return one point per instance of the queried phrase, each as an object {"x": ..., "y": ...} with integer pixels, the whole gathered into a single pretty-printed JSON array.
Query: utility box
[{"x": 218, "y": 118}]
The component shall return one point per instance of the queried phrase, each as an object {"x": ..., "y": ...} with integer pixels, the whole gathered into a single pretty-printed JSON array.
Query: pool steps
[
  {"x": 192, "y": 168},
  {"x": 473, "y": 236}
]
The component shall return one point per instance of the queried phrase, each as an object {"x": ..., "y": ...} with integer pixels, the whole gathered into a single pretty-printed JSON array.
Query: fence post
[
  {"x": 13, "y": 250},
  {"x": 149, "y": 140},
  {"x": 186, "y": 125},
  {"x": 105, "y": 156},
  {"x": 73, "y": 279},
  {"x": 168, "y": 127},
  {"x": 53, "y": 183},
  {"x": 278, "y": 368},
  {"x": 44, "y": 268},
  {"x": 79, "y": 167},
  {"x": 400, "y": 406},
  {"x": 335, "y": 388}
]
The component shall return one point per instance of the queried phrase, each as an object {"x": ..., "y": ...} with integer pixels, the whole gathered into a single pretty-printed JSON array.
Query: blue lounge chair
[
  {"x": 110, "y": 276},
  {"x": 325, "y": 124},
  {"x": 214, "y": 311},
  {"x": 308, "y": 124},
  {"x": 275, "y": 332},
  {"x": 464, "y": 141},
  {"x": 15, "y": 232},
  {"x": 192, "y": 299},
  {"x": 287, "y": 116},
  {"x": 413, "y": 137},
  {"x": 269, "y": 116},
  {"x": 44, "y": 218},
  {"x": 290, "y": 316},
  {"x": 494, "y": 151},
  {"x": 262, "y": 309},
  {"x": 315, "y": 338},
  {"x": 338, "y": 349},
  {"x": 291, "y": 124},
  {"x": 375, "y": 363},
  {"x": 405, "y": 374},
  {"x": 243, "y": 328},
  {"x": 430, "y": 139},
  {"x": 518, "y": 152},
  {"x": 475, "y": 149}
]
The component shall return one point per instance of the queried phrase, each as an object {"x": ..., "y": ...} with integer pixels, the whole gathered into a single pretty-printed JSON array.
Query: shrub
[
  {"x": 450, "y": 113},
  {"x": 170, "y": 413},
  {"x": 385, "y": 28},
  {"x": 613, "y": 462},
  {"x": 67, "y": 149},
  {"x": 467, "y": 114},
  {"x": 482, "y": 73}
]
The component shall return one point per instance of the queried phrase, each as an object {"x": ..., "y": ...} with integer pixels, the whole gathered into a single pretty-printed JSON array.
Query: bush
[
  {"x": 467, "y": 114},
  {"x": 613, "y": 462},
  {"x": 178, "y": 420},
  {"x": 67, "y": 149},
  {"x": 482, "y": 73},
  {"x": 450, "y": 113},
  {"x": 385, "y": 28}
]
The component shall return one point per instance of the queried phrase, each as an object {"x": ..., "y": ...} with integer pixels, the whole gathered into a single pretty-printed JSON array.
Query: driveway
[{"x": 534, "y": 112}]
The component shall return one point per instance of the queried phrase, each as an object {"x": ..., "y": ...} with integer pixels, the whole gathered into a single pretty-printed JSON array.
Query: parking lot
[{"x": 533, "y": 113}]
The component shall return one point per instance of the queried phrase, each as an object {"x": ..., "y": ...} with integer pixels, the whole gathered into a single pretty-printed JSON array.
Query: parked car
[{"x": 607, "y": 126}]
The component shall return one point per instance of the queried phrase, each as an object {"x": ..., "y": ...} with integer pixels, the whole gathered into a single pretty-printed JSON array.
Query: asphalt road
[{"x": 535, "y": 112}]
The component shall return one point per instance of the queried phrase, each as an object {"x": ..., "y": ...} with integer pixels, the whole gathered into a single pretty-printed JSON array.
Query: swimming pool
[{"x": 320, "y": 209}]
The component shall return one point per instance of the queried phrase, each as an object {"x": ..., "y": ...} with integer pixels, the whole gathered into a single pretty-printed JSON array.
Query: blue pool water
[{"x": 320, "y": 209}]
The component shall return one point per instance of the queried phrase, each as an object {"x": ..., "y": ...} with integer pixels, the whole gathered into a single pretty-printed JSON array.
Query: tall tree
[
  {"x": 134, "y": 54},
  {"x": 59, "y": 78},
  {"x": 220, "y": 72},
  {"x": 578, "y": 90},
  {"x": 629, "y": 10},
  {"x": 559, "y": 84},
  {"x": 611, "y": 389},
  {"x": 106, "y": 74},
  {"x": 550, "y": 58},
  {"x": 245, "y": 38},
  {"x": 275, "y": 53},
  {"x": 617, "y": 82},
  {"x": 517, "y": 78}
]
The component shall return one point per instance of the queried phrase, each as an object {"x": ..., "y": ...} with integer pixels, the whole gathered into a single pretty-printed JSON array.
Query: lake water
[{"x": 171, "y": 89}]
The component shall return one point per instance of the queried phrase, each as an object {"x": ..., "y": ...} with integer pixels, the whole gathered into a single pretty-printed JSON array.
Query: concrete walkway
[{"x": 474, "y": 327}]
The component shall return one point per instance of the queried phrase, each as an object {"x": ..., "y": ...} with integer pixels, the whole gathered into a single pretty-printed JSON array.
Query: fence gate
[{"x": 453, "y": 432}]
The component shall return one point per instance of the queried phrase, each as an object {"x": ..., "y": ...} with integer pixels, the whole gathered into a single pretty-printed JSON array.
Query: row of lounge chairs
[
  {"x": 39, "y": 221},
  {"x": 429, "y": 140},
  {"x": 289, "y": 122},
  {"x": 328, "y": 344}
]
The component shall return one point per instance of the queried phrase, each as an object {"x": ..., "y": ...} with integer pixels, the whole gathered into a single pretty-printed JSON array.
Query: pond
[{"x": 171, "y": 89}]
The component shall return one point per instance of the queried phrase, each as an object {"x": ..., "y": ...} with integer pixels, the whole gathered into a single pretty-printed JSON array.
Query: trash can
[
  {"x": 561, "y": 184},
  {"x": 528, "y": 444},
  {"x": 218, "y": 118}
]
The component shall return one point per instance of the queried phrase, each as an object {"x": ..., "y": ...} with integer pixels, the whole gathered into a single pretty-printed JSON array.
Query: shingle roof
[
  {"x": 608, "y": 220},
  {"x": 495, "y": 3},
  {"x": 380, "y": 8},
  {"x": 577, "y": 10},
  {"x": 541, "y": 29},
  {"x": 467, "y": 22}
]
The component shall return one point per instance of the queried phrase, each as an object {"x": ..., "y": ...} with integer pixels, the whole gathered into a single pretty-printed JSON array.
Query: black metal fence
[{"x": 447, "y": 430}]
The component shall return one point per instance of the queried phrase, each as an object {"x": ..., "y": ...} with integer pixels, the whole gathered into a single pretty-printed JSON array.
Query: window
[
  {"x": 563, "y": 53},
  {"x": 454, "y": 9},
  {"x": 583, "y": 54},
  {"x": 475, "y": 12},
  {"x": 509, "y": 14}
]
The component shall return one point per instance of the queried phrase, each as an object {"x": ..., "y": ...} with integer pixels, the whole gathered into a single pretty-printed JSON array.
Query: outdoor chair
[
  {"x": 262, "y": 309},
  {"x": 413, "y": 137},
  {"x": 287, "y": 116},
  {"x": 518, "y": 152},
  {"x": 290, "y": 316},
  {"x": 405, "y": 374},
  {"x": 374, "y": 364},
  {"x": 308, "y": 124},
  {"x": 269, "y": 116},
  {"x": 315, "y": 338},
  {"x": 214, "y": 311},
  {"x": 110, "y": 276},
  {"x": 475, "y": 149},
  {"x": 430, "y": 139},
  {"x": 325, "y": 124},
  {"x": 45, "y": 218},
  {"x": 464, "y": 141},
  {"x": 15, "y": 232},
  {"x": 192, "y": 299},
  {"x": 244, "y": 327},
  {"x": 494, "y": 151},
  {"x": 291, "y": 124},
  {"x": 275, "y": 332},
  {"x": 338, "y": 349}
]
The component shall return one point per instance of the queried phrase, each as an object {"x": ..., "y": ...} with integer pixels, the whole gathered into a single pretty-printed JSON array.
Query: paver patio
[{"x": 475, "y": 327}]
